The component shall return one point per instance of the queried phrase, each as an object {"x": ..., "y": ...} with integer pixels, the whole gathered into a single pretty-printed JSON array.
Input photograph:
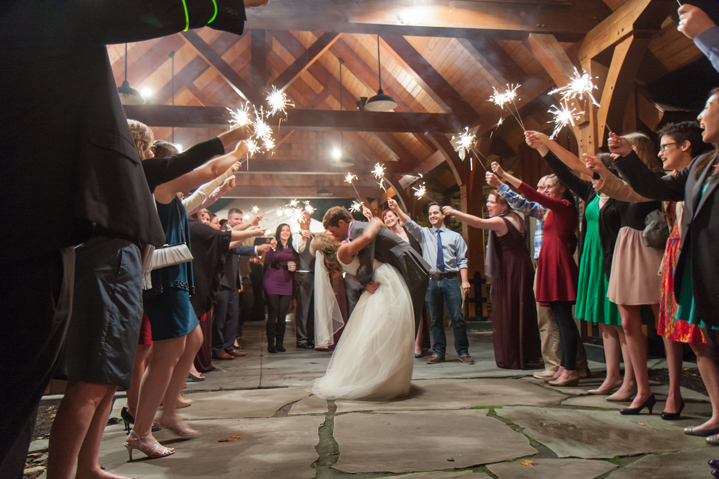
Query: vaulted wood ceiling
[{"x": 439, "y": 61}]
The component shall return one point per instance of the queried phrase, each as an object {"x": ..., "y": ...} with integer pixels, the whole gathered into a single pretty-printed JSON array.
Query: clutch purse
[
  {"x": 656, "y": 231},
  {"x": 170, "y": 255}
]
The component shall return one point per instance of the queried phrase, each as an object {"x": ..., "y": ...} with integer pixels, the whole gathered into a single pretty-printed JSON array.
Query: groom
[{"x": 388, "y": 248}]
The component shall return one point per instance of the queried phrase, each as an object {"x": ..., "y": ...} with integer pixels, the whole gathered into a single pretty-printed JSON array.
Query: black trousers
[
  {"x": 37, "y": 301},
  {"x": 224, "y": 321},
  {"x": 277, "y": 306},
  {"x": 305, "y": 310},
  {"x": 568, "y": 333}
]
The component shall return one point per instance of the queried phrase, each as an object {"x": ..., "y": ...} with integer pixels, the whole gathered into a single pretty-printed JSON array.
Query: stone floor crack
[{"x": 327, "y": 448}]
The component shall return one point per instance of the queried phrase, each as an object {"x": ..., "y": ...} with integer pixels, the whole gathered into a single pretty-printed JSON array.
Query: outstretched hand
[
  {"x": 497, "y": 169},
  {"x": 367, "y": 213},
  {"x": 234, "y": 135},
  {"x": 228, "y": 184},
  {"x": 492, "y": 180},
  {"x": 595, "y": 164},
  {"x": 240, "y": 150},
  {"x": 619, "y": 145},
  {"x": 448, "y": 211},
  {"x": 392, "y": 204},
  {"x": 535, "y": 139},
  {"x": 693, "y": 21},
  {"x": 256, "y": 220}
]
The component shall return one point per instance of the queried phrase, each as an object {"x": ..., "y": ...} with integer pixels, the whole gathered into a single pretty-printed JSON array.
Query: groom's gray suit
[{"x": 389, "y": 248}]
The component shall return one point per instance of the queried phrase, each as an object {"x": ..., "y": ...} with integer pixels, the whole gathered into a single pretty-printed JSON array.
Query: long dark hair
[
  {"x": 709, "y": 157},
  {"x": 279, "y": 240}
]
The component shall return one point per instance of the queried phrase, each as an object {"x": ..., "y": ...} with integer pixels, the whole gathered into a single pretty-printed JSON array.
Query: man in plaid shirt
[{"x": 548, "y": 330}]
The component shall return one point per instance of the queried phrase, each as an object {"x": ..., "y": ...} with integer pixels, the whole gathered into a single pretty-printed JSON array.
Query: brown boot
[{"x": 435, "y": 358}]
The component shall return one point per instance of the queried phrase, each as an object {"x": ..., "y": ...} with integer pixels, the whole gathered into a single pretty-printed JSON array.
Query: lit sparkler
[
  {"x": 349, "y": 178},
  {"x": 294, "y": 203},
  {"x": 240, "y": 116},
  {"x": 280, "y": 212},
  {"x": 465, "y": 143},
  {"x": 262, "y": 129},
  {"x": 507, "y": 98},
  {"x": 578, "y": 86},
  {"x": 247, "y": 217},
  {"x": 356, "y": 207},
  {"x": 278, "y": 101},
  {"x": 562, "y": 117},
  {"x": 309, "y": 209},
  {"x": 269, "y": 143},
  {"x": 255, "y": 210},
  {"x": 378, "y": 173},
  {"x": 420, "y": 190}
]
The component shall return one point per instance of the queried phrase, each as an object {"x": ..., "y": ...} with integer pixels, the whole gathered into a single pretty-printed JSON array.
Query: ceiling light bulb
[
  {"x": 146, "y": 92},
  {"x": 336, "y": 154}
]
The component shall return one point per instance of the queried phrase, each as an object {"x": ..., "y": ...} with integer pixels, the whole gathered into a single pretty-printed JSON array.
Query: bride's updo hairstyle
[{"x": 326, "y": 245}]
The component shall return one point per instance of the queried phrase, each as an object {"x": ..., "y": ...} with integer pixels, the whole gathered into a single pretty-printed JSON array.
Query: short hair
[
  {"x": 234, "y": 211},
  {"x": 163, "y": 149},
  {"x": 499, "y": 198},
  {"x": 334, "y": 215},
  {"x": 388, "y": 210},
  {"x": 222, "y": 221},
  {"x": 141, "y": 135},
  {"x": 434, "y": 203},
  {"x": 686, "y": 131}
]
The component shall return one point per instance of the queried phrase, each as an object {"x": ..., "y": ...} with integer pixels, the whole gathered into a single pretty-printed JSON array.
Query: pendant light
[
  {"x": 128, "y": 95},
  {"x": 342, "y": 160},
  {"x": 380, "y": 102},
  {"x": 324, "y": 191}
]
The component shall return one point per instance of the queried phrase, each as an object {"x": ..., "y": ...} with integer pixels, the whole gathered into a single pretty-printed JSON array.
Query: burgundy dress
[
  {"x": 514, "y": 313},
  {"x": 557, "y": 272}
]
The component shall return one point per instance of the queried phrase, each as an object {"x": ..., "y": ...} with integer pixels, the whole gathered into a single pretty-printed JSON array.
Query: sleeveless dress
[
  {"x": 592, "y": 302},
  {"x": 374, "y": 357},
  {"x": 514, "y": 312}
]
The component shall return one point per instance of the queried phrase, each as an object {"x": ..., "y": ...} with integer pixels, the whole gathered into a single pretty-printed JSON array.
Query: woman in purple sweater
[{"x": 281, "y": 260}]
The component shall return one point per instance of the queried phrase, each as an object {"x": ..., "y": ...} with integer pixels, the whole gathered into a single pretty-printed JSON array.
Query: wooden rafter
[
  {"x": 494, "y": 59},
  {"x": 433, "y": 18},
  {"x": 303, "y": 62},
  {"x": 259, "y": 73}
]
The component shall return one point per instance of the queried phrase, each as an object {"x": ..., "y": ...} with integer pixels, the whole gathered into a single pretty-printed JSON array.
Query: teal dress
[
  {"x": 592, "y": 302},
  {"x": 685, "y": 309}
]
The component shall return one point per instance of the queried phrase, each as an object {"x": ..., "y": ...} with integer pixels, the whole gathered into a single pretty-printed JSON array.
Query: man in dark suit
[
  {"x": 388, "y": 248},
  {"x": 227, "y": 311},
  {"x": 85, "y": 179}
]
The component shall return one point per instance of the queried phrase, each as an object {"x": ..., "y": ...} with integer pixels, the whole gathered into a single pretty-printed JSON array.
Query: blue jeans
[{"x": 443, "y": 292}]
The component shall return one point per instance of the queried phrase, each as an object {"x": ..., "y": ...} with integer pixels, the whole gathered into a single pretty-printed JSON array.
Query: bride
[{"x": 373, "y": 358}]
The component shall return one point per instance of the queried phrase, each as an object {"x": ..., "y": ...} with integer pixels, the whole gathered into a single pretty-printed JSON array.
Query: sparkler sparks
[
  {"x": 280, "y": 212},
  {"x": 562, "y": 117},
  {"x": 356, "y": 207},
  {"x": 420, "y": 190},
  {"x": 578, "y": 86},
  {"x": 247, "y": 217},
  {"x": 277, "y": 100},
  {"x": 240, "y": 116},
  {"x": 378, "y": 173},
  {"x": 463, "y": 142},
  {"x": 255, "y": 210},
  {"x": 309, "y": 209},
  {"x": 294, "y": 203},
  {"x": 349, "y": 178},
  {"x": 505, "y": 99}
]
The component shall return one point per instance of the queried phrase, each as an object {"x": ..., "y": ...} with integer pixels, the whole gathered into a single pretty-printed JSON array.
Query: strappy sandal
[
  {"x": 153, "y": 452},
  {"x": 180, "y": 428}
]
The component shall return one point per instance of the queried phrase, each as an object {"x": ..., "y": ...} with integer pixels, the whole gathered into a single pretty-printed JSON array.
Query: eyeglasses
[{"x": 663, "y": 147}]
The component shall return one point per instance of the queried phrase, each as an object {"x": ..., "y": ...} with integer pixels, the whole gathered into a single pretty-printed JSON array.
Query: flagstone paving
[{"x": 521, "y": 427}]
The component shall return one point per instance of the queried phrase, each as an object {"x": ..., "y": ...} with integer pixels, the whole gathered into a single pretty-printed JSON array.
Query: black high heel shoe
[
  {"x": 673, "y": 416},
  {"x": 129, "y": 420},
  {"x": 634, "y": 411}
]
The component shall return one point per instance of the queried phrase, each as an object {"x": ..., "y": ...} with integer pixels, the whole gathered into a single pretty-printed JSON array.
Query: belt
[
  {"x": 303, "y": 271},
  {"x": 451, "y": 274}
]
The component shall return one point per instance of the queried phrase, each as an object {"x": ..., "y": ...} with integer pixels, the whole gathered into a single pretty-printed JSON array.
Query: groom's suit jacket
[{"x": 389, "y": 248}]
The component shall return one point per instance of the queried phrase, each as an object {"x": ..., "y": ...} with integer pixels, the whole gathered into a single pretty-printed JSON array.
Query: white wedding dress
[{"x": 374, "y": 357}]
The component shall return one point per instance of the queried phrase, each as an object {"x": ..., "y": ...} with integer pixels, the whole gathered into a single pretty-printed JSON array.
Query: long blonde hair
[
  {"x": 645, "y": 151},
  {"x": 141, "y": 135}
]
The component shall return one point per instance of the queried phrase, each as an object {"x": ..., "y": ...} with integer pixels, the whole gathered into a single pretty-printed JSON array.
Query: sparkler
[
  {"x": 247, "y": 217},
  {"x": 309, "y": 209},
  {"x": 277, "y": 100},
  {"x": 349, "y": 178},
  {"x": 356, "y": 207},
  {"x": 507, "y": 98},
  {"x": 464, "y": 143},
  {"x": 378, "y": 173},
  {"x": 578, "y": 86},
  {"x": 240, "y": 116},
  {"x": 562, "y": 117},
  {"x": 420, "y": 190},
  {"x": 255, "y": 210}
]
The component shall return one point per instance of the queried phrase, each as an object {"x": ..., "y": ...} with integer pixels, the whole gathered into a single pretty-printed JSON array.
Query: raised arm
[
  {"x": 394, "y": 206},
  {"x": 538, "y": 140},
  {"x": 238, "y": 237},
  {"x": 516, "y": 201},
  {"x": 582, "y": 188},
  {"x": 697, "y": 25},
  {"x": 610, "y": 185},
  {"x": 198, "y": 198},
  {"x": 493, "y": 224},
  {"x": 643, "y": 180},
  {"x": 348, "y": 250}
]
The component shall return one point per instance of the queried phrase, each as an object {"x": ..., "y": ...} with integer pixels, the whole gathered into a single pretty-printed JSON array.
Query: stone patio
[{"x": 459, "y": 422}]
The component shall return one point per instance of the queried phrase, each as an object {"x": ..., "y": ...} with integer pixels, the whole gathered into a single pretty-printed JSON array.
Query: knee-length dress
[
  {"x": 556, "y": 270},
  {"x": 514, "y": 313}
]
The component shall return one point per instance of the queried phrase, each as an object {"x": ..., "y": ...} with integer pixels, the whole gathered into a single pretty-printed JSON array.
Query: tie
[{"x": 440, "y": 253}]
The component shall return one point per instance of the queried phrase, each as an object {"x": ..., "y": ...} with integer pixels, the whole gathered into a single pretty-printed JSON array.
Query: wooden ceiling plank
[
  {"x": 188, "y": 74},
  {"x": 303, "y": 62},
  {"x": 433, "y": 18},
  {"x": 232, "y": 78},
  {"x": 259, "y": 74},
  {"x": 432, "y": 82},
  {"x": 494, "y": 59}
]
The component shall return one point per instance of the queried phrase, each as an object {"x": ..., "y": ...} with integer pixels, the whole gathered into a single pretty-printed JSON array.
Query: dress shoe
[
  {"x": 544, "y": 374},
  {"x": 435, "y": 358},
  {"x": 223, "y": 355},
  {"x": 305, "y": 346},
  {"x": 585, "y": 373},
  {"x": 567, "y": 383},
  {"x": 714, "y": 463},
  {"x": 608, "y": 391},
  {"x": 673, "y": 416},
  {"x": 466, "y": 359},
  {"x": 715, "y": 472},
  {"x": 713, "y": 440},
  {"x": 635, "y": 411},
  {"x": 695, "y": 431},
  {"x": 237, "y": 353}
]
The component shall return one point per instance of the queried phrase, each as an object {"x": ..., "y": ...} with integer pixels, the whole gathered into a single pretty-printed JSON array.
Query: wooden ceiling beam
[
  {"x": 429, "y": 79},
  {"x": 493, "y": 58},
  {"x": 189, "y": 73},
  {"x": 396, "y": 148},
  {"x": 233, "y": 79},
  {"x": 141, "y": 69},
  {"x": 453, "y": 160},
  {"x": 304, "y": 192},
  {"x": 318, "y": 167},
  {"x": 510, "y": 19},
  {"x": 259, "y": 73},
  {"x": 304, "y": 61},
  {"x": 328, "y": 120}
]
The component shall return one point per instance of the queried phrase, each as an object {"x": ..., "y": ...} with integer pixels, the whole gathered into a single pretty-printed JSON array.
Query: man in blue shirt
[
  {"x": 697, "y": 25},
  {"x": 445, "y": 251}
]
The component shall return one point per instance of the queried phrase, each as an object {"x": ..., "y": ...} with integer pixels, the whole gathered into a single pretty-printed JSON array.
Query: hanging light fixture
[
  {"x": 341, "y": 159},
  {"x": 128, "y": 95},
  {"x": 380, "y": 102},
  {"x": 324, "y": 192}
]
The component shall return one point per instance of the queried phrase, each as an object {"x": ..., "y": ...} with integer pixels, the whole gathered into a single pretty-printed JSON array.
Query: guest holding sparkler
[
  {"x": 556, "y": 269},
  {"x": 507, "y": 263},
  {"x": 697, "y": 25}
]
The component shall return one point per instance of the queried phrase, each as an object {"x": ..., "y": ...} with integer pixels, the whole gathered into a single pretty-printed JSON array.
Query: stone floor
[{"x": 459, "y": 422}]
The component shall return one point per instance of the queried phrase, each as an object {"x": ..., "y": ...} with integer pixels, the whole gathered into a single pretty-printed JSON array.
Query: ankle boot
[{"x": 279, "y": 345}]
